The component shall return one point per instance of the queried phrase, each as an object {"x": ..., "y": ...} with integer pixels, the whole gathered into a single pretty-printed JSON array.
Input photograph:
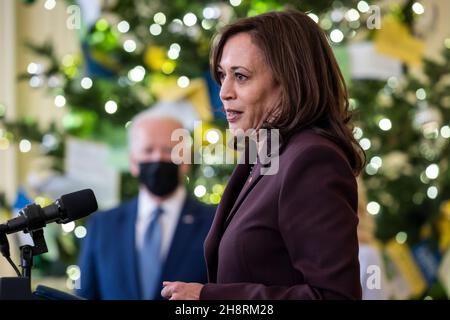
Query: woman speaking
[{"x": 289, "y": 235}]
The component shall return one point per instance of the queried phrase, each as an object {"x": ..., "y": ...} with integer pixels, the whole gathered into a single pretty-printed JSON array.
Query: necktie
[{"x": 149, "y": 257}]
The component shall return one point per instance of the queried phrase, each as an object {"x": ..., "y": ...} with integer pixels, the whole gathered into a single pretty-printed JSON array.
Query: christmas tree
[{"x": 135, "y": 54}]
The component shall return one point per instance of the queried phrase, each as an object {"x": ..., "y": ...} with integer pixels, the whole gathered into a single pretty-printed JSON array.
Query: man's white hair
[{"x": 148, "y": 114}]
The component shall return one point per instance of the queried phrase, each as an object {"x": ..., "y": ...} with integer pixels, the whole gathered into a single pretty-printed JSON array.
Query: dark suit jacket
[
  {"x": 108, "y": 258},
  {"x": 291, "y": 235}
]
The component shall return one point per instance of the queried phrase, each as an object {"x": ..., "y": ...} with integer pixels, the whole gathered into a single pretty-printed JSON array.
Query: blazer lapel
[
  {"x": 246, "y": 188},
  {"x": 129, "y": 248},
  {"x": 235, "y": 193},
  {"x": 182, "y": 237}
]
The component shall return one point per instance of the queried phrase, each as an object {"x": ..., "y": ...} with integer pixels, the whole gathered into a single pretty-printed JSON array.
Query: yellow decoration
[
  {"x": 155, "y": 57},
  {"x": 445, "y": 208},
  {"x": 443, "y": 226},
  {"x": 404, "y": 261},
  {"x": 444, "y": 272},
  {"x": 4, "y": 215},
  {"x": 395, "y": 40},
  {"x": 167, "y": 89},
  {"x": 425, "y": 231}
]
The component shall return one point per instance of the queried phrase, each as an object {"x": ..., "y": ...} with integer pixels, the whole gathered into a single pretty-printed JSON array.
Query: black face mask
[{"x": 160, "y": 178}]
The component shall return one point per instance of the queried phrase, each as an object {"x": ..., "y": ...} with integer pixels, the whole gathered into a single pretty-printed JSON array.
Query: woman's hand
[{"x": 181, "y": 290}]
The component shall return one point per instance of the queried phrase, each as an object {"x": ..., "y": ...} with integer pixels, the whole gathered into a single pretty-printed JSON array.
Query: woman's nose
[{"x": 227, "y": 91}]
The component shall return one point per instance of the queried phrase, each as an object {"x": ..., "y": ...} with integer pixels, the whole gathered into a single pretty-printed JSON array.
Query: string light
[
  {"x": 35, "y": 81},
  {"x": 49, "y": 141},
  {"x": 432, "y": 192},
  {"x": 123, "y": 26},
  {"x": 60, "y": 101},
  {"x": 33, "y": 68},
  {"x": 423, "y": 178},
  {"x": 373, "y": 208},
  {"x": 371, "y": 169},
  {"x": 432, "y": 171},
  {"x": 235, "y": 3},
  {"x": 80, "y": 232},
  {"x": 160, "y": 18},
  {"x": 336, "y": 36},
  {"x": 176, "y": 26},
  {"x": 421, "y": 94},
  {"x": 73, "y": 272},
  {"x": 212, "y": 136},
  {"x": 352, "y": 15},
  {"x": 173, "y": 54},
  {"x": 50, "y": 4},
  {"x": 418, "y": 8},
  {"x": 208, "y": 13},
  {"x": 111, "y": 107},
  {"x": 190, "y": 19},
  {"x": 363, "y": 6},
  {"x": 137, "y": 74},
  {"x": 86, "y": 83},
  {"x": 208, "y": 172},
  {"x": 445, "y": 131},
  {"x": 385, "y": 124},
  {"x": 314, "y": 17},
  {"x": 357, "y": 133},
  {"x": 175, "y": 46},
  {"x": 155, "y": 29},
  {"x": 199, "y": 191},
  {"x": 183, "y": 82},
  {"x": 68, "y": 227},
  {"x": 337, "y": 15},
  {"x": 326, "y": 24},
  {"x": 392, "y": 82},
  {"x": 365, "y": 144},
  {"x": 129, "y": 45},
  {"x": 376, "y": 162},
  {"x": 401, "y": 237}
]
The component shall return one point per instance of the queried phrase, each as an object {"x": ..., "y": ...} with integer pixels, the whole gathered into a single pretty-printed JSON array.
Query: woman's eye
[
  {"x": 241, "y": 77},
  {"x": 221, "y": 75}
]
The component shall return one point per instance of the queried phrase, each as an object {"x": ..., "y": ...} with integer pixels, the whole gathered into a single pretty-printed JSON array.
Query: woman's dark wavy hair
[{"x": 314, "y": 94}]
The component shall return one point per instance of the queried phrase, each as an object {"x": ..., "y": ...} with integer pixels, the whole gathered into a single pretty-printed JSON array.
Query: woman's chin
[{"x": 238, "y": 128}]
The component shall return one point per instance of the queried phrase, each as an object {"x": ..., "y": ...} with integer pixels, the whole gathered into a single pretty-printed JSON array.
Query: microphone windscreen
[{"x": 79, "y": 204}]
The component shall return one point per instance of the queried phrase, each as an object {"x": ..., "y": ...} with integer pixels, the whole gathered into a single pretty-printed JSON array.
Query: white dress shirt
[{"x": 169, "y": 218}]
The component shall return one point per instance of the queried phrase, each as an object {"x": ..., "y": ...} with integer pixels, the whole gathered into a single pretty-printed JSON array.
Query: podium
[{"x": 17, "y": 288}]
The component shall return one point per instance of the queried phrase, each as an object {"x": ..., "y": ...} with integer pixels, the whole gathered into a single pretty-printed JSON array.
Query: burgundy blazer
[{"x": 291, "y": 235}]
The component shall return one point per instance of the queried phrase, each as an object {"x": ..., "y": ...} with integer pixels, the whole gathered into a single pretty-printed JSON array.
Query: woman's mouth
[{"x": 233, "y": 115}]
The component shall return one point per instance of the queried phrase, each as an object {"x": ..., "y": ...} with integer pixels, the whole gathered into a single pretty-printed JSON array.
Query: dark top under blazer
[{"x": 291, "y": 235}]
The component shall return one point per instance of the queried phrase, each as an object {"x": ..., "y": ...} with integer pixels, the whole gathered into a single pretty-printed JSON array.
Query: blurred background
[{"x": 73, "y": 74}]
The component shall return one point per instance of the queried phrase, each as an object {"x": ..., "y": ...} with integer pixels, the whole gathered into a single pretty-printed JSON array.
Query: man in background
[{"x": 159, "y": 235}]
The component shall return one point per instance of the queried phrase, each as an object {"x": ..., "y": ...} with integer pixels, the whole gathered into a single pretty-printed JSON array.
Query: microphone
[{"x": 69, "y": 207}]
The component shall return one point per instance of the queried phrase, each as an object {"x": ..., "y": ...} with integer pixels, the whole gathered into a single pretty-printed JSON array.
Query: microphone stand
[{"x": 20, "y": 287}]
